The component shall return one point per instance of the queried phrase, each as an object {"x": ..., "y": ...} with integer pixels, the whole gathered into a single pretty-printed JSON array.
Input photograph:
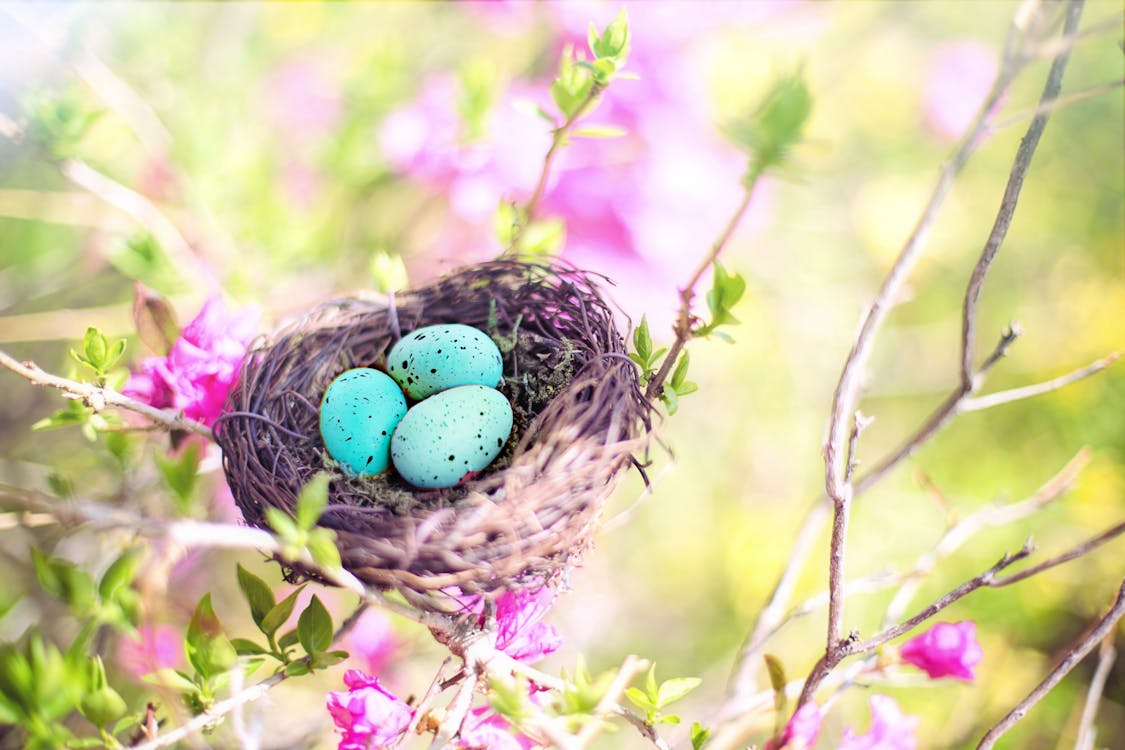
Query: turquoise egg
[
  {"x": 451, "y": 434},
  {"x": 358, "y": 415},
  {"x": 434, "y": 358}
]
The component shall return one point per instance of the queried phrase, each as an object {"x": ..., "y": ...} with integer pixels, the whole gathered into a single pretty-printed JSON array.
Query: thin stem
[
  {"x": 683, "y": 326},
  {"x": 1074, "y": 655},
  {"x": 1107, "y": 655},
  {"x": 557, "y": 141},
  {"x": 99, "y": 397},
  {"x": 1074, "y": 552},
  {"x": 999, "y": 398}
]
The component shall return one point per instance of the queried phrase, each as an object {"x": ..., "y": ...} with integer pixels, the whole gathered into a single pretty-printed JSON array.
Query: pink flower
[
  {"x": 890, "y": 729},
  {"x": 156, "y": 647},
  {"x": 801, "y": 731},
  {"x": 368, "y": 716},
  {"x": 960, "y": 77},
  {"x": 372, "y": 641},
  {"x": 490, "y": 731},
  {"x": 519, "y": 632},
  {"x": 946, "y": 649},
  {"x": 201, "y": 366}
]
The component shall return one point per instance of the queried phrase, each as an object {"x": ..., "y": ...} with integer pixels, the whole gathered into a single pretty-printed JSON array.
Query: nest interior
[{"x": 579, "y": 414}]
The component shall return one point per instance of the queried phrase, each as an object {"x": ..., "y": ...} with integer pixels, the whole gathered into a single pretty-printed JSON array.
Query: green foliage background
[{"x": 681, "y": 581}]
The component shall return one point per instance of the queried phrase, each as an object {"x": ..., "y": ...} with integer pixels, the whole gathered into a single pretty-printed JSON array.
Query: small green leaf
[
  {"x": 612, "y": 43},
  {"x": 671, "y": 400},
  {"x": 101, "y": 704},
  {"x": 120, "y": 573},
  {"x": 313, "y": 500},
  {"x": 509, "y": 699},
  {"x": 668, "y": 719},
  {"x": 642, "y": 342},
  {"x": 96, "y": 347},
  {"x": 74, "y": 413},
  {"x": 277, "y": 616},
  {"x": 180, "y": 474},
  {"x": 257, "y": 593},
  {"x": 388, "y": 272},
  {"x": 314, "y": 628},
  {"x": 288, "y": 640},
  {"x": 297, "y": 669},
  {"x": 205, "y": 644},
  {"x": 322, "y": 546},
  {"x": 680, "y": 372},
  {"x": 699, "y": 736},
  {"x": 675, "y": 689},
  {"x": 600, "y": 132},
  {"x": 640, "y": 700},
  {"x": 171, "y": 678},
  {"x": 247, "y": 647}
]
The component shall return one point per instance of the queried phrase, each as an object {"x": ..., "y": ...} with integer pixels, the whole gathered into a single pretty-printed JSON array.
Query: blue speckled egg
[
  {"x": 434, "y": 358},
  {"x": 358, "y": 415},
  {"x": 450, "y": 434}
]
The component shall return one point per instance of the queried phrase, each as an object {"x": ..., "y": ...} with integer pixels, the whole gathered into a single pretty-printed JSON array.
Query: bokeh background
[{"x": 302, "y": 149}]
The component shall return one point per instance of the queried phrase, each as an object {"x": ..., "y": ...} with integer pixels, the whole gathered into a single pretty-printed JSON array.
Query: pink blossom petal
[
  {"x": 367, "y": 715},
  {"x": 945, "y": 650},
  {"x": 890, "y": 729}
]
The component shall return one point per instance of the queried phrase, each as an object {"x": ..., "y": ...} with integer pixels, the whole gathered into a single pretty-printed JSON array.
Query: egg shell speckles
[
  {"x": 450, "y": 434},
  {"x": 434, "y": 358},
  {"x": 358, "y": 415}
]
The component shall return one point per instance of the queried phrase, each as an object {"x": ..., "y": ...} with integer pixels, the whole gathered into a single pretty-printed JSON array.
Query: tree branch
[
  {"x": 1074, "y": 655},
  {"x": 1107, "y": 654},
  {"x": 990, "y": 400},
  {"x": 99, "y": 397}
]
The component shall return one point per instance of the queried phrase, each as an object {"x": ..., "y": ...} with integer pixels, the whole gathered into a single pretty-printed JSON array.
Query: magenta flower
[
  {"x": 520, "y": 634},
  {"x": 948, "y": 649},
  {"x": 201, "y": 366},
  {"x": 801, "y": 731},
  {"x": 155, "y": 647},
  {"x": 890, "y": 729},
  {"x": 368, "y": 716},
  {"x": 487, "y": 730}
]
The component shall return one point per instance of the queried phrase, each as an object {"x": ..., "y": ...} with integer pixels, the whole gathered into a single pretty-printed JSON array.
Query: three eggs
[{"x": 458, "y": 426}]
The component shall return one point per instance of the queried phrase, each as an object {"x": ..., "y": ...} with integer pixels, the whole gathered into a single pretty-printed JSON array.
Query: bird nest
[{"x": 579, "y": 418}]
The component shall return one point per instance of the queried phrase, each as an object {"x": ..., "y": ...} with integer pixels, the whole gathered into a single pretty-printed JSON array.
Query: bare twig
[
  {"x": 1107, "y": 654},
  {"x": 608, "y": 703},
  {"x": 1074, "y": 552},
  {"x": 1074, "y": 655},
  {"x": 990, "y": 400},
  {"x": 98, "y": 397},
  {"x": 1060, "y": 103}
]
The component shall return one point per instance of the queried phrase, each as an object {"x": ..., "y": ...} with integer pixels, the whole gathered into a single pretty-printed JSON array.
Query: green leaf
[
  {"x": 247, "y": 647},
  {"x": 65, "y": 581},
  {"x": 101, "y": 704},
  {"x": 207, "y": 647},
  {"x": 612, "y": 43},
  {"x": 671, "y": 400},
  {"x": 297, "y": 668},
  {"x": 171, "y": 678},
  {"x": 675, "y": 689},
  {"x": 776, "y": 672},
  {"x": 277, "y": 616},
  {"x": 74, "y": 413},
  {"x": 639, "y": 699},
  {"x": 642, "y": 342},
  {"x": 257, "y": 593},
  {"x": 769, "y": 133},
  {"x": 680, "y": 372},
  {"x": 283, "y": 525},
  {"x": 314, "y": 627},
  {"x": 322, "y": 546},
  {"x": 699, "y": 736},
  {"x": 120, "y": 574},
  {"x": 313, "y": 500},
  {"x": 180, "y": 474},
  {"x": 96, "y": 347},
  {"x": 668, "y": 719},
  {"x": 509, "y": 699},
  {"x": 599, "y": 132},
  {"x": 288, "y": 640},
  {"x": 388, "y": 272}
]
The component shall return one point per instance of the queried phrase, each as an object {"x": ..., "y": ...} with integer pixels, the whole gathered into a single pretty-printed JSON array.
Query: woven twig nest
[{"x": 580, "y": 417}]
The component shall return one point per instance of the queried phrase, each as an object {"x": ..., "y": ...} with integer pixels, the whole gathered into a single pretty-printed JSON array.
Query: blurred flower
[
  {"x": 890, "y": 729},
  {"x": 368, "y": 716},
  {"x": 945, "y": 650},
  {"x": 520, "y": 634},
  {"x": 801, "y": 731},
  {"x": 960, "y": 78},
  {"x": 372, "y": 640},
  {"x": 201, "y": 366},
  {"x": 490, "y": 731},
  {"x": 155, "y": 647}
]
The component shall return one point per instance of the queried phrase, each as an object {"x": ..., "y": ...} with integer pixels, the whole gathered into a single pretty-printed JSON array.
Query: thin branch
[
  {"x": 99, "y": 397},
  {"x": 1074, "y": 552},
  {"x": 1107, "y": 654},
  {"x": 1028, "y": 144},
  {"x": 558, "y": 139},
  {"x": 990, "y": 400},
  {"x": 1060, "y": 103},
  {"x": 1074, "y": 655},
  {"x": 683, "y": 326},
  {"x": 608, "y": 703}
]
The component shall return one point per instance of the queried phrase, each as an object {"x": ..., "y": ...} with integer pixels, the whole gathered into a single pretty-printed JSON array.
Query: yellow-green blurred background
[{"x": 270, "y": 159}]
